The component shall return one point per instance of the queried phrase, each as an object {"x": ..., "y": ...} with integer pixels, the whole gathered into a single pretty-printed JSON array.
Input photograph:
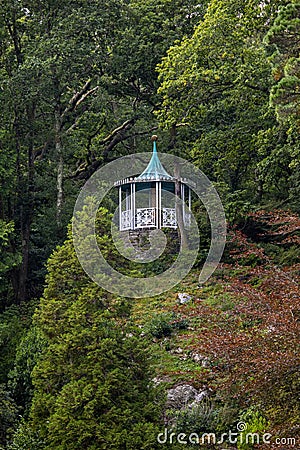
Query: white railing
[{"x": 145, "y": 217}]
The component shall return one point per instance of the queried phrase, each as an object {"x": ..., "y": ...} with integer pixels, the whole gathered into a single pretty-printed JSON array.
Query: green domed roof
[{"x": 155, "y": 170}]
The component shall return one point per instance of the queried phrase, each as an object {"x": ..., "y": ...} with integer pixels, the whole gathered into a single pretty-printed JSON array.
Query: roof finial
[{"x": 154, "y": 139}]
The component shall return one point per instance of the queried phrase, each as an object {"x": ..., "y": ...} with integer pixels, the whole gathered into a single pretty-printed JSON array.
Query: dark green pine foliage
[
  {"x": 92, "y": 383},
  {"x": 284, "y": 36},
  {"x": 8, "y": 414},
  {"x": 283, "y": 42}
]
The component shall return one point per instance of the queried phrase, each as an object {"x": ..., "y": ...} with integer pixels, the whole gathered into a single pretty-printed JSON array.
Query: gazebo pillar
[
  {"x": 132, "y": 204},
  {"x": 158, "y": 204},
  {"x": 183, "y": 201},
  {"x": 120, "y": 207}
]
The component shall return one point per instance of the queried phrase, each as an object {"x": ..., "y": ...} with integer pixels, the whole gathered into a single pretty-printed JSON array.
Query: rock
[
  {"x": 180, "y": 396},
  {"x": 198, "y": 358},
  {"x": 187, "y": 399},
  {"x": 201, "y": 396},
  {"x": 179, "y": 352},
  {"x": 183, "y": 298}
]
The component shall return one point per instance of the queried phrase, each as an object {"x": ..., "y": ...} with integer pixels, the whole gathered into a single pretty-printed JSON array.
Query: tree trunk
[{"x": 60, "y": 169}]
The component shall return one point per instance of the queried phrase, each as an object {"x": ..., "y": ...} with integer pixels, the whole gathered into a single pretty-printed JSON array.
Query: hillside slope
[{"x": 235, "y": 340}]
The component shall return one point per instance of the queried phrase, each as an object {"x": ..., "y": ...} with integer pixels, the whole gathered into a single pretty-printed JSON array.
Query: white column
[
  {"x": 133, "y": 205},
  {"x": 132, "y": 186},
  {"x": 120, "y": 209},
  {"x": 190, "y": 199},
  {"x": 183, "y": 202},
  {"x": 157, "y": 204}
]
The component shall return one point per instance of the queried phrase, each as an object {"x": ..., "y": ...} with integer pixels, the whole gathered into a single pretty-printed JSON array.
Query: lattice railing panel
[{"x": 145, "y": 217}]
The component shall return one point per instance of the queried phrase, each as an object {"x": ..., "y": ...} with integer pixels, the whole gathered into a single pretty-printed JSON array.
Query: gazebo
[{"x": 148, "y": 200}]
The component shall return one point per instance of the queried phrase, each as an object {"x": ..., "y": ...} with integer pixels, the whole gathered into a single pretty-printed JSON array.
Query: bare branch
[
  {"x": 118, "y": 135},
  {"x": 116, "y": 131},
  {"x": 78, "y": 98},
  {"x": 91, "y": 91}
]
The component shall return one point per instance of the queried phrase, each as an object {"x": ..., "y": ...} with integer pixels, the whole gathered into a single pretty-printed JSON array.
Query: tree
[
  {"x": 215, "y": 89},
  {"x": 27, "y": 354},
  {"x": 283, "y": 43},
  {"x": 73, "y": 100},
  {"x": 51, "y": 59},
  {"x": 92, "y": 385},
  {"x": 284, "y": 36}
]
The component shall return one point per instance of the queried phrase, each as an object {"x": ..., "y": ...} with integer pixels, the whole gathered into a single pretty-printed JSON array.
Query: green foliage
[
  {"x": 197, "y": 419},
  {"x": 9, "y": 259},
  {"x": 254, "y": 423},
  {"x": 223, "y": 300},
  {"x": 25, "y": 438},
  {"x": 13, "y": 323},
  {"x": 78, "y": 88},
  {"x": 215, "y": 89},
  {"x": 28, "y": 352},
  {"x": 92, "y": 382},
  {"x": 151, "y": 28},
  {"x": 283, "y": 255},
  {"x": 237, "y": 206},
  {"x": 8, "y": 414},
  {"x": 283, "y": 35},
  {"x": 282, "y": 40},
  {"x": 160, "y": 326},
  {"x": 163, "y": 325}
]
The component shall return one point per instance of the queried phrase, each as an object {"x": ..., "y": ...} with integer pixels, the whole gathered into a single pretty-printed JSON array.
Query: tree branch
[
  {"x": 118, "y": 135},
  {"x": 121, "y": 128},
  {"x": 78, "y": 98}
]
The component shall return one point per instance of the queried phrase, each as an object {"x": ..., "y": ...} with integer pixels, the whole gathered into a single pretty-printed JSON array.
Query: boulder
[
  {"x": 180, "y": 396},
  {"x": 187, "y": 399}
]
